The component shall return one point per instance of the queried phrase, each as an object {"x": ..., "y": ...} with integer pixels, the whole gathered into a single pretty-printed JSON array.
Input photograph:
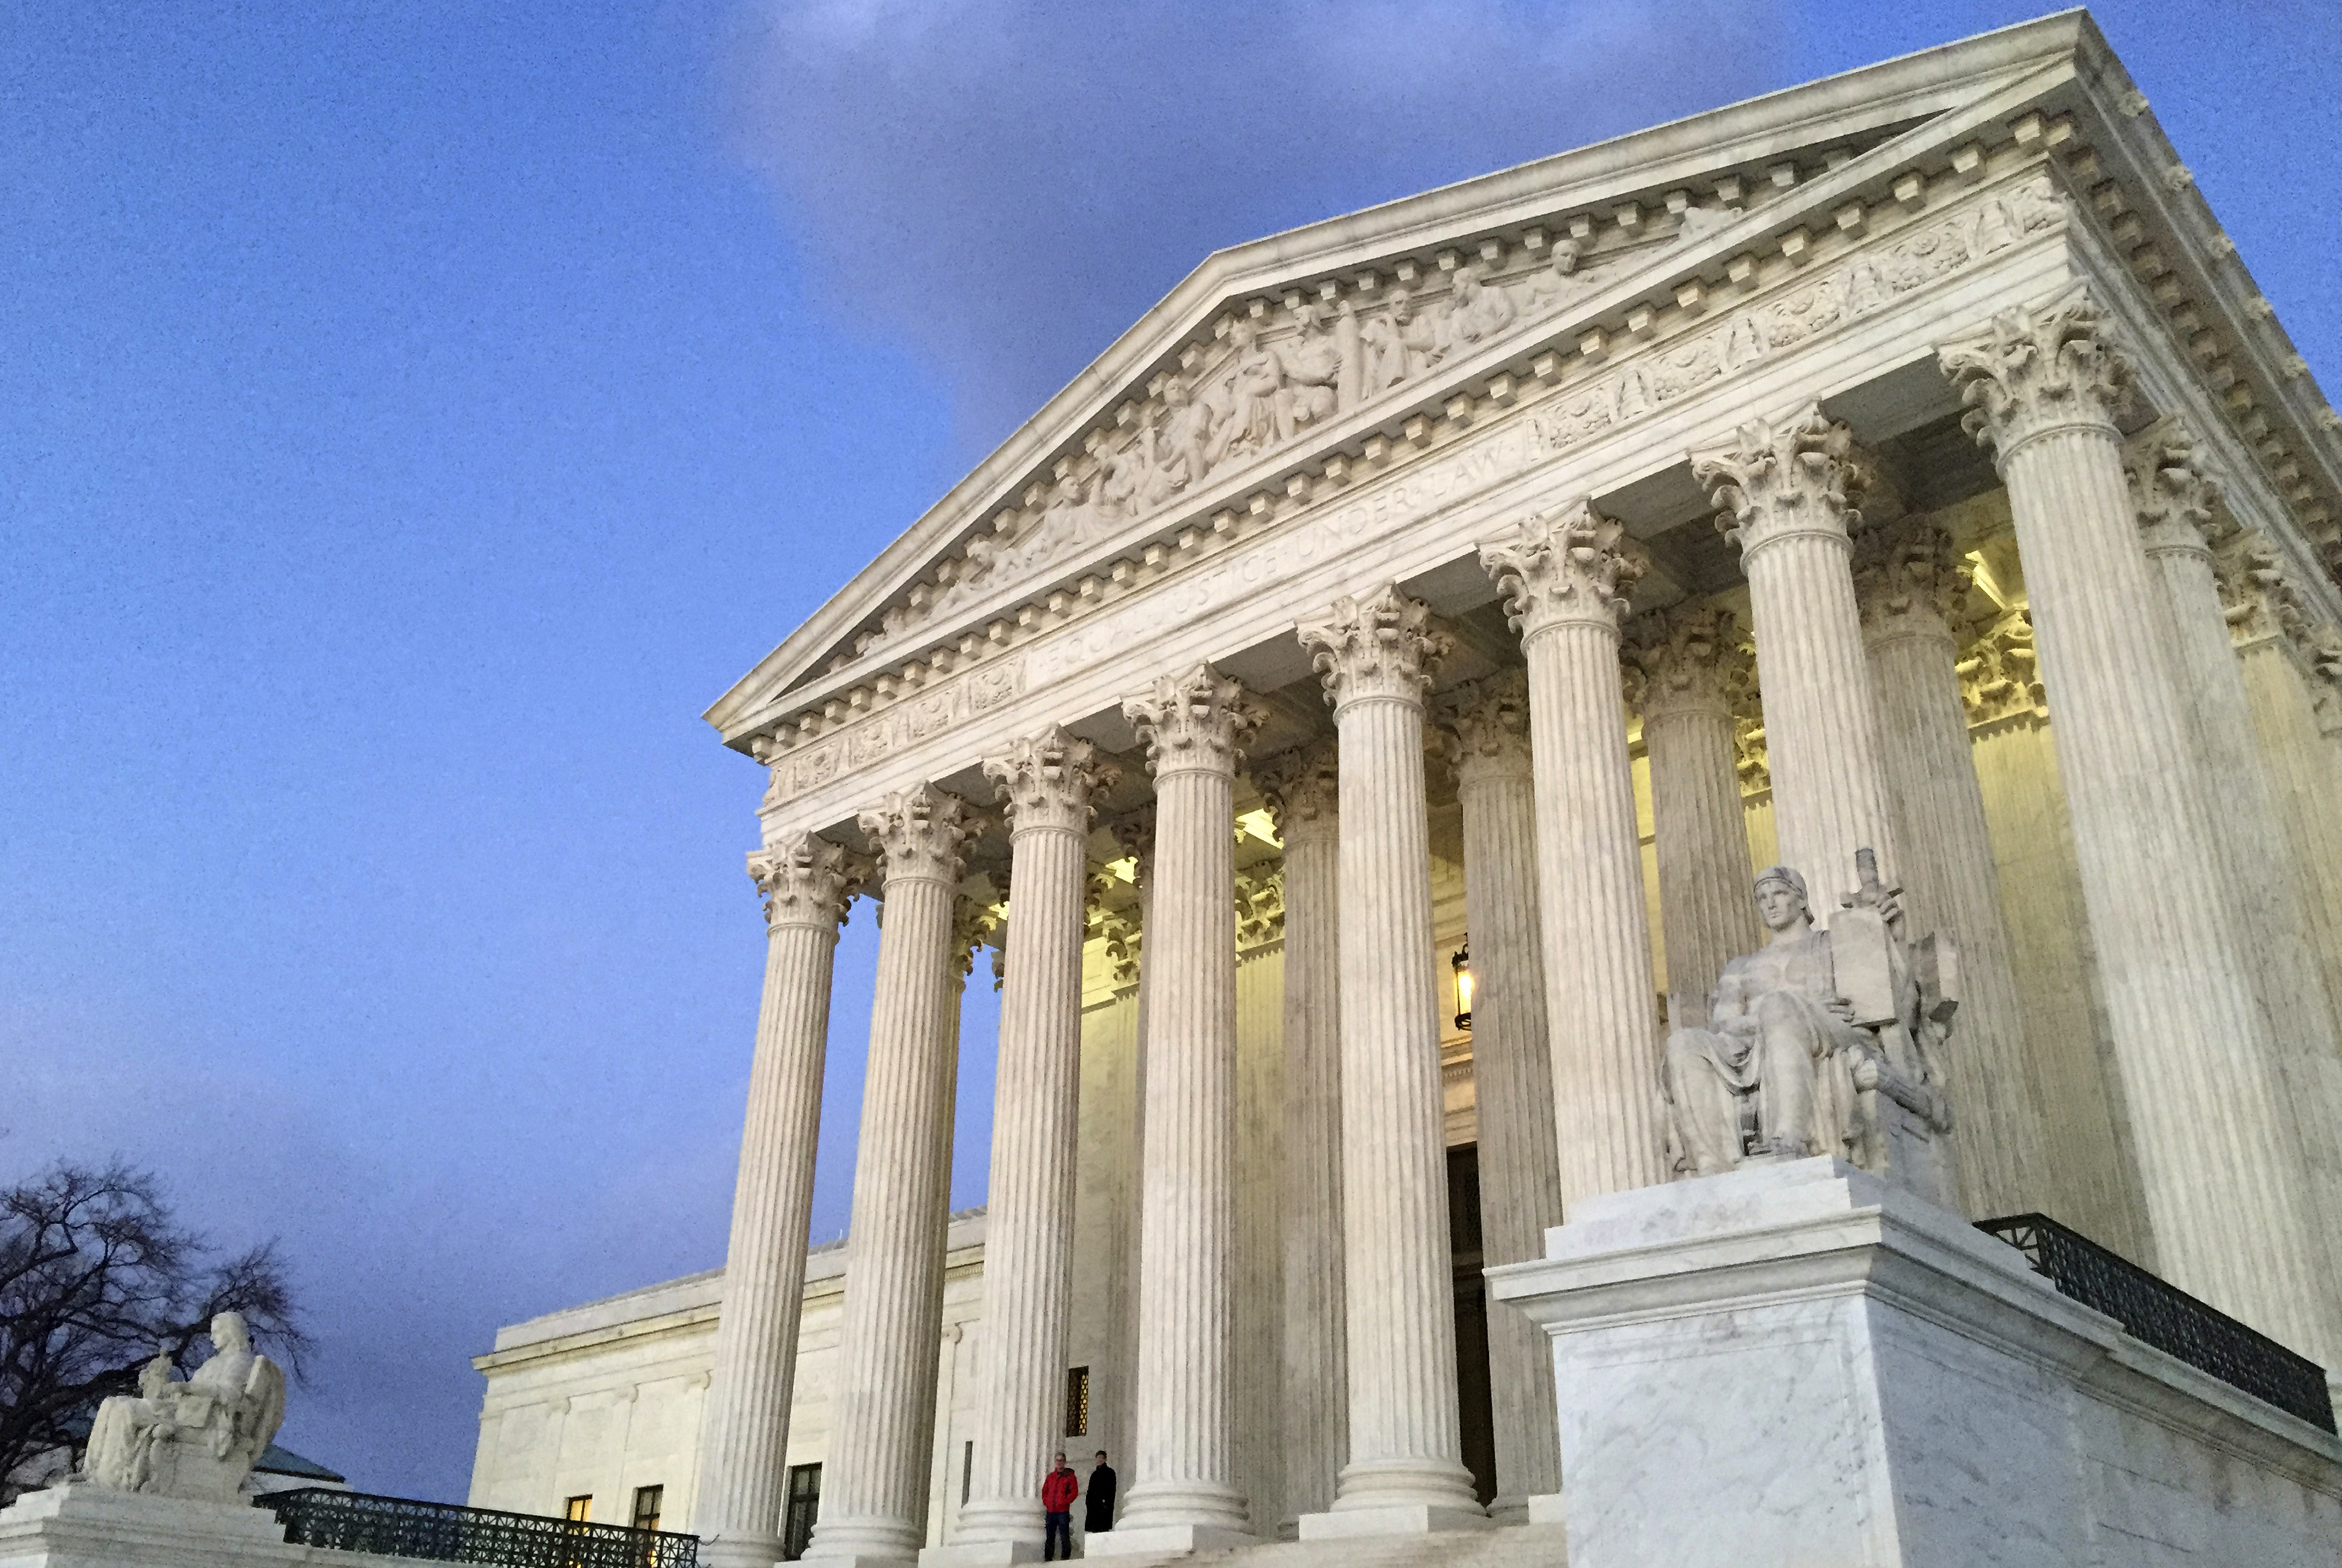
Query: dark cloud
[{"x": 1003, "y": 185}]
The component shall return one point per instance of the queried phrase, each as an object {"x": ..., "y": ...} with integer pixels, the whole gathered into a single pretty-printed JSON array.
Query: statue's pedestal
[
  {"x": 77, "y": 1525},
  {"x": 1801, "y": 1364}
]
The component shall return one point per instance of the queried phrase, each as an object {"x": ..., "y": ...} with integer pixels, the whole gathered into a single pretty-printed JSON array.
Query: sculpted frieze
[{"x": 859, "y": 743}]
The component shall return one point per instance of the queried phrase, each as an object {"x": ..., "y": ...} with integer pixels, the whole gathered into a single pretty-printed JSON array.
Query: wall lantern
[{"x": 1463, "y": 965}]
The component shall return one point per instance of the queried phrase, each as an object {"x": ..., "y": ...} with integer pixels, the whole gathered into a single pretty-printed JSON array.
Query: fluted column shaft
[
  {"x": 1185, "y": 1494},
  {"x": 1303, "y": 793},
  {"x": 2303, "y": 780},
  {"x": 1045, "y": 784},
  {"x": 1407, "y": 1445},
  {"x": 1788, "y": 492},
  {"x": 1910, "y": 577},
  {"x": 2228, "y": 1205},
  {"x": 744, "y": 1475},
  {"x": 1688, "y": 659},
  {"x": 875, "y": 1496},
  {"x": 1564, "y": 578},
  {"x": 1512, "y": 1074}
]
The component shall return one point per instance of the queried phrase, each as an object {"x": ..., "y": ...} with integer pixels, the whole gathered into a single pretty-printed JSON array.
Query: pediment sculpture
[
  {"x": 197, "y": 1439},
  {"x": 1822, "y": 1042}
]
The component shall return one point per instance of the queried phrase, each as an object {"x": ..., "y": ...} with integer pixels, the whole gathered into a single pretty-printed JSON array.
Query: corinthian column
[
  {"x": 2174, "y": 502},
  {"x": 1909, "y": 582},
  {"x": 1304, "y": 797},
  {"x": 1488, "y": 743},
  {"x": 1047, "y": 783},
  {"x": 1185, "y": 1498},
  {"x": 875, "y": 1505},
  {"x": 1691, "y": 658},
  {"x": 807, "y": 881},
  {"x": 1787, "y": 494},
  {"x": 1564, "y": 578},
  {"x": 2231, "y": 1215},
  {"x": 1405, "y": 1470}
]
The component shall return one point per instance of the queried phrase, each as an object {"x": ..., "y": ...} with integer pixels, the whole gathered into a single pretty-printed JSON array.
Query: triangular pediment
[{"x": 1329, "y": 338}]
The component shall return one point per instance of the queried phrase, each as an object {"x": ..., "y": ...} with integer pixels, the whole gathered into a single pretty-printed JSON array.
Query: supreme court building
[{"x": 1347, "y": 720}]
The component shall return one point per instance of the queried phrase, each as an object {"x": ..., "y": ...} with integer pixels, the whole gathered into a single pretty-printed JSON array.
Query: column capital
[
  {"x": 1773, "y": 480},
  {"x": 1570, "y": 566},
  {"x": 1382, "y": 647},
  {"x": 1303, "y": 790},
  {"x": 2000, "y": 675},
  {"x": 921, "y": 834},
  {"x": 1910, "y": 580},
  {"x": 2170, "y": 489},
  {"x": 1260, "y": 906},
  {"x": 1194, "y": 722},
  {"x": 973, "y": 920},
  {"x": 2323, "y": 646},
  {"x": 1693, "y": 658},
  {"x": 2258, "y": 592},
  {"x": 2040, "y": 367},
  {"x": 805, "y": 880},
  {"x": 1050, "y": 781},
  {"x": 1484, "y": 728}
]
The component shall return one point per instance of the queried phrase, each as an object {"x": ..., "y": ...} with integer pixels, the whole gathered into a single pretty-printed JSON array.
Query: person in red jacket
[{"x": 1058, "y": 1490}]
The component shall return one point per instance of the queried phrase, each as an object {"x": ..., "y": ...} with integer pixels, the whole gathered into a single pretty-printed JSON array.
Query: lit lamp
[{"x": 1461, "y": 962}]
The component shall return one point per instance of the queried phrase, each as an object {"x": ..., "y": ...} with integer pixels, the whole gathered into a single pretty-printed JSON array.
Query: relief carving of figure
[
  {"x": 197, "y": 1439},
  {"x": 1310, "y": 364},
  {"x": 1476, "y": 314},
  {"x": 1062, "y": 525},
  {"x": 1549, "y": 290},
  {"x": 1383, "y": 348},
  {"x": 1251, "y": 387},
  {"x": 1821, "y": 1043},
  {"x": 1175, "y": 459}
]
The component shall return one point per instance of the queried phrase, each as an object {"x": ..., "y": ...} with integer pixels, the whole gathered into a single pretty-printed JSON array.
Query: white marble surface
[
  {"x": 1797, "y": 1364},
  {"x": 78, "y": 1525}
]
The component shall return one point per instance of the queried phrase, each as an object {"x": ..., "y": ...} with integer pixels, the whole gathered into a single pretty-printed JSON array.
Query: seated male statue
[
  {"x": 196, "y": 1439},
  {"x": 1820, "y": 1042}
]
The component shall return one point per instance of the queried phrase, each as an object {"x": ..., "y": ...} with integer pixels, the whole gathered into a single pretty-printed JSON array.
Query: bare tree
[{"x": 95, "y": 1277}]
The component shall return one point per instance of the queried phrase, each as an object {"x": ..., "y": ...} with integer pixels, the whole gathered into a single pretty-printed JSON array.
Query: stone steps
[{"x": 1512, "y": 1546}]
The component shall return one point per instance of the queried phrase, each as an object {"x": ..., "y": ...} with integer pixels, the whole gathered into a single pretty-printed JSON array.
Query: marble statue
[
  {"x": 1821, "y": 1043},
  {"x": 197, "y": 1439}
]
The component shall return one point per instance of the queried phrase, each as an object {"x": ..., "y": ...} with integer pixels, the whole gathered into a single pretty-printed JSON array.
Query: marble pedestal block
[
  {"x": 78, "y": 1525},
  {"x": 1801, "y": 1364}
]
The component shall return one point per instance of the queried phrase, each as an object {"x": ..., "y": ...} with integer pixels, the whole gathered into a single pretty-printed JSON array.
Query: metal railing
[
  {"x": 2157, "y": 1312},
  {"x": 402, "y": 1527}
]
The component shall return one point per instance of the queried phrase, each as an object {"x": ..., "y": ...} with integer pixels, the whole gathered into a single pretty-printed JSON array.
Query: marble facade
[{"x": 1902, "y": 463}]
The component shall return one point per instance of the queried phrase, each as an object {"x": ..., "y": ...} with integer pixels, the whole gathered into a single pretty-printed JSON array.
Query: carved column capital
[
  {"x": 805, "y": 880},
  {"x": 1050, "y": 781},
  {"x": 1910, "y": 580},
  {"x": 921, "y": 834},
  {"x": 1692, "y": 658},
  {"x": 1571, "y": 565},
  {"x": 1778, "y": 481},
  {"x": 973, "y": 920},
  {"x": 2040, "y": 368},
  {"x": 2170, "y": 489},
  {"x": 1303, "y": 790},
  {"x": 1194, "y": 722},
  {"x": 2000, "y": 677},
  {"x": 1381, "y": 648},
  {"x": 2322, "y": 646},
  {"x": 1260, "y": 906},
  {"x": 2257, "y": 590},
  {"x": 1485, "y": 728}
]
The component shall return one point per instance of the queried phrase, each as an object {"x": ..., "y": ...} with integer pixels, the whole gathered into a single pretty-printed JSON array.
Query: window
[
  {"x": 647, "y": 1506},
  {"x": 579, "y": 1509},
  {"x": 804, "y": 1508},
  {"x": 966, "y": 1469},
  {"x": 1077, "y": 1402}
]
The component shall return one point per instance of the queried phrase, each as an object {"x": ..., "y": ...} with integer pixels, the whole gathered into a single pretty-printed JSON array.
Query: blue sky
[{"x": 412, "y": 416}]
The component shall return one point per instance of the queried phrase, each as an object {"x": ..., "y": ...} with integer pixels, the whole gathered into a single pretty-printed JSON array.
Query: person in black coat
[{"x": 1097, "y": 1499}]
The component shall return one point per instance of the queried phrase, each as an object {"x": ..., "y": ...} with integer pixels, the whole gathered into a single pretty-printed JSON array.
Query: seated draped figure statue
[
  {"x": 196, "y": 1439},
  {"x": 1820, "y": 1042}
]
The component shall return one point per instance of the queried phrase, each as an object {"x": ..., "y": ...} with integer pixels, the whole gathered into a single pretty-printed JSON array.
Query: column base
[
  {"x": 980, "y": 1554},
  {"x": 1393, "y": 1519},
  {"x": 864, "y": 1544},
  {"x": 740, "y": 1551},
  {"x": 1166, "y": 1541}
]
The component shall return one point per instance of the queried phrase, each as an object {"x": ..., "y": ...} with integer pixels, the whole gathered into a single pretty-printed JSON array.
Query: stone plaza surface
[
  {"x": 1800, "y": 1365},
  {"x": 79, "y": 1525}
]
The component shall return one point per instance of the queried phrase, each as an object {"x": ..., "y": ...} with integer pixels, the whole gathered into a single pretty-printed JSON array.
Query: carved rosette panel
[
  {"x": 805, "y": 880},
  {"x": 2168, "y": 488},
  {"x": 1692, "y": 658},
  {"x": 922, "y": 833},
  {"x": 1048, "y": 781},
  {"x": 1774, "y": 482},
  {"x": 1910, "y": 579},
  {"x": 1485, "y": 727},
  {"x": 2000, "y": 675},
  {"x": 1302, "y": 789},
  {"x": 1571, "y": 566},
  {"x": 1382, "y": 647},
  {"x": 1194, "y": 722},
  {"x": 2040, "y": 368}
]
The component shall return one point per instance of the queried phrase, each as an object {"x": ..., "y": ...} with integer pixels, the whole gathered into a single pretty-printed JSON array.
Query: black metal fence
[
  {"x": 402, "y": 1527},
  {"x": 2160, "y": 1314}
]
